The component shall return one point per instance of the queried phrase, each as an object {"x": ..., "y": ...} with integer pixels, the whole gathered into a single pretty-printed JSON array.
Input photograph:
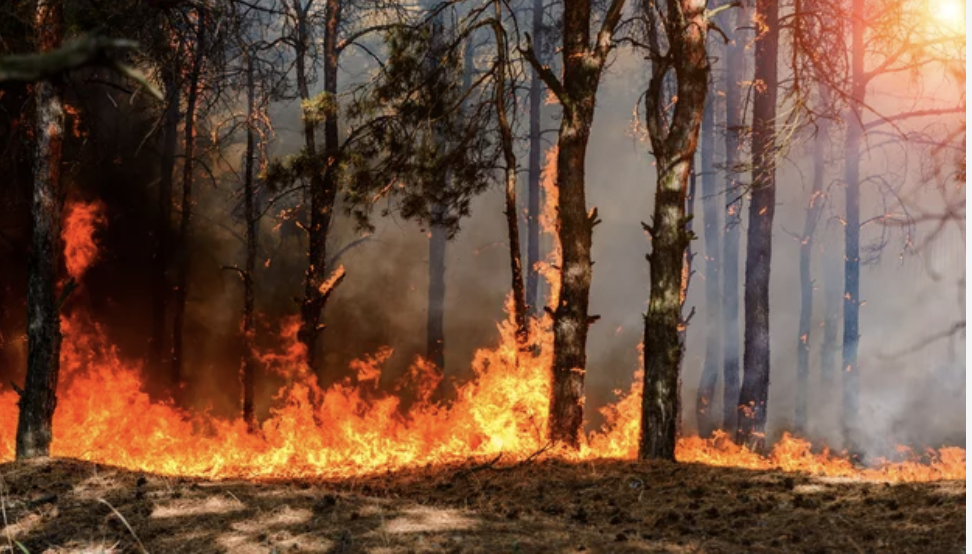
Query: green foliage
[
  {"x": 426, "y": 137},
  {"x": 281, "y": 174},
  {"x": 315, "y": 110}
]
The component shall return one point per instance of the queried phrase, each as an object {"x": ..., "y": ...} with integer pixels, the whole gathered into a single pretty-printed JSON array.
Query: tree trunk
[
  {"x": 435, "y": 326},
  {"x": 582, "y": 74},
  {"x": 439, "y": 234},
  {"x": 249, "y": 365},
  {"x": 574, "y": 231},
  {"x": 323, "y": 182},
  {"x": 735, "y": 66},
  {"x": 673, "y": 145},
  {"x": 512, "y": 217},
  {"x": 687, "y": 272},
  {"x": 754, "y": 395},
  {"x": 185, "y": 224},
  {"x": 814, "y": 210},
  {"x": 161, "y": 288},
  {"x": 533, "y": 180},
  {"x": 833, "y": 293},
  {"x": 711, "y": 224},
  {"x": 852, "y": 229},
  {"x": 39, "y": 397},
  {"x": 583, "y": 64}
]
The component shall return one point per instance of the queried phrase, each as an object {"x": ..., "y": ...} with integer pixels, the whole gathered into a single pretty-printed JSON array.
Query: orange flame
[
  {"x": 80, "y": 249},
  {"x": 350, "y": 429},
  {"x": 548, "y": 222}
]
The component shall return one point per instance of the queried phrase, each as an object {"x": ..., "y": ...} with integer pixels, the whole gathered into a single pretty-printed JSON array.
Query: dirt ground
[{"x": 545, "y": 506}]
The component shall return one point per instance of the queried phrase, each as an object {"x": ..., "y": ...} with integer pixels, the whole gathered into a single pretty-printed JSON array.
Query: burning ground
[
  {"x": 542, "y": 506},
  {"x": 348, "y": 468}
]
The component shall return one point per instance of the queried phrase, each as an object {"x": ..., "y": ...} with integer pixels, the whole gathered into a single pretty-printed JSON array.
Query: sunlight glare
[{"x": 950, "y": 14}]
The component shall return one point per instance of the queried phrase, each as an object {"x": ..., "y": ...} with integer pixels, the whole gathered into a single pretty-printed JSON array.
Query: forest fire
[
  {"x": 324, "y": 276},
  {"x": 350, "y": 429}
]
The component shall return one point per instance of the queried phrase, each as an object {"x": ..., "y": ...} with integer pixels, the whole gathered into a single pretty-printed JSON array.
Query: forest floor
[{"x": 545, "y": 506}]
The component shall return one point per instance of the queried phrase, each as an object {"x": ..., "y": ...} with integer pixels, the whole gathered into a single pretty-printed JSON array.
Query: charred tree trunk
[
  {"x": 583, "y": 64},
  {"x": 248, "y": 371},
  {"x": 852, "y": 228},
  {"x": 323, "y": 182},
  {"x": 673, "y": 144},
  {"x": 754, "y": 395},
  {"x": 161, "y": 289},
  {"x": 735, "y": 65},
  {"x": 185, "y": 224},
  {"x": 533, "y": 179},
  {"x": 711, "y": 224},
  {"x": 571, "y": 320},
  {"x": 814, "y": 210},
  {"x": 39, "y": 397}
]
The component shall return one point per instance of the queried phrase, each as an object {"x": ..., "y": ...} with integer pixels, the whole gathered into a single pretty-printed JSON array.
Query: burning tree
[
  {"x": 754, "y": 394},
  {"x": 321, "y": 166},
  {"x": 426, "y": 141},
  {"x": 583, "y": 63},
  {"x": 39, "y": 396},
  {"x": 256, "y": 57}
]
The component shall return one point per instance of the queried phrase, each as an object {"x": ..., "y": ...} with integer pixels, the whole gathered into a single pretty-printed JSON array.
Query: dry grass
[{"x": 545, "y": 506}]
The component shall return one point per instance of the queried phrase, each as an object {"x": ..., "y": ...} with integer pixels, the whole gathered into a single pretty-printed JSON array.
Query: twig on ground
[
  {"x": 125, "y": 521},
  {"x": 469, "y": 471}
]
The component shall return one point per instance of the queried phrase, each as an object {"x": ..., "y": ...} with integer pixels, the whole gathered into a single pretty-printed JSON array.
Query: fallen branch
[
  {"x": 529, "y": 458},
  {"x": 469, "y": 471}
]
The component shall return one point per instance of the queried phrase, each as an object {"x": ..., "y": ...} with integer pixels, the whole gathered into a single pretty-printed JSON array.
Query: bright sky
[{"x": 949, "y": 13}]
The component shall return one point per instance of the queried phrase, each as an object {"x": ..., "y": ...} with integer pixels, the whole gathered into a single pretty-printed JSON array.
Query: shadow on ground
[{"x": 546, "y": 506}]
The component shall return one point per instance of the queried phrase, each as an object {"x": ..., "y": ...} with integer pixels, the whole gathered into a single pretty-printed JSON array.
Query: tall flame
[
  {"x": 351, "y": 429},
  {"x": 548, "y": 222},
  {"x": 80, "y": 249}
]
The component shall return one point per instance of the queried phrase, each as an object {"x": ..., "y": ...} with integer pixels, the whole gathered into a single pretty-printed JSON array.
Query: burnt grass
[{"x": 542, "y": 506}]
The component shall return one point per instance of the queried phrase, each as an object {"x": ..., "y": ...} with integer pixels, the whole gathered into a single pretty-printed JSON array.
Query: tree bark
[
  {"x": 185, "y": 224},
  {"x": 754, "y": 395},
  {"x": 673, "y": 145},
  {"x": 249, "y": 365},
  {"x": 814, "y": 210},
  {"x": 852, "y": 229},
  {"x": 711, "y": 224},
  {"x": 161, "y": 288},
  {"x": 533, "y": 176},
  {"x": 512, "y": 217},
  {"x": 39, "y": 397},
  {"x": 323, "y": 181},
  {"x": 735, "y": 66},
  {"x": 583, "y": 64}
]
